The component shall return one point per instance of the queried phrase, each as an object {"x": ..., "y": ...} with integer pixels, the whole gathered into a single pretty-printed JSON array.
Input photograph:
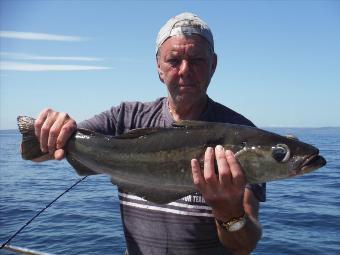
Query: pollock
[{"x": 154, "y": 163}]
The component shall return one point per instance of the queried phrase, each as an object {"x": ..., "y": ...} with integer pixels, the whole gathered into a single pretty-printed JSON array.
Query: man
[{"x": 223, "y": 217}]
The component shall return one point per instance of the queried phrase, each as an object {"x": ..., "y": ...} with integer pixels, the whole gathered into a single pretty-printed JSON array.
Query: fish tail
[{"x": 30, "y": 146}]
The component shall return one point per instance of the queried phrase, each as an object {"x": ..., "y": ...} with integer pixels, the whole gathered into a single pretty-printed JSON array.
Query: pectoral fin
[{"x": 151, "y": 194}]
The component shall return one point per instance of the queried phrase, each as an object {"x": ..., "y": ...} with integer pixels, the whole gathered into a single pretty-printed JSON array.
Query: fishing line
[{"x": 35, "y": 216}]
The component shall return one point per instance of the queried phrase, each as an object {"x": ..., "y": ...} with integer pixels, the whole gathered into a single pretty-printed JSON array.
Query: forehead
[{"x": 193, "y": 44}]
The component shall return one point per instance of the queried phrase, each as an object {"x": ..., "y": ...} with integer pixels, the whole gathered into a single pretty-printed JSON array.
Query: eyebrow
[{"x": 191, "y": 53}]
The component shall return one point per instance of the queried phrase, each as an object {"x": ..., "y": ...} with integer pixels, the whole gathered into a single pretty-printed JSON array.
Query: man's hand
[
  {"x": 223, "y": 192},
  {"x": 228, "y": 197},
  {"x": 53, "y": 129}
]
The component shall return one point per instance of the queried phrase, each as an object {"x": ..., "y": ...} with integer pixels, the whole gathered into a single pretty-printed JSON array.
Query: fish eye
[{"x": 281, "y": 153}]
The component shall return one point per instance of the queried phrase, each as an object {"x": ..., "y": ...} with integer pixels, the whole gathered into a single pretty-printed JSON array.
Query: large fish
[{"x": 154, "y": 163}]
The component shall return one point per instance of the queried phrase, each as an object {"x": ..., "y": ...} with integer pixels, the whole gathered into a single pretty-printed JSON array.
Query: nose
[{"x": 184, "y": 68}]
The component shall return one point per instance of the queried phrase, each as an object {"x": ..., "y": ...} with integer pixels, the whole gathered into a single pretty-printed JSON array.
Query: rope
[{"x": 35, "y": 216}]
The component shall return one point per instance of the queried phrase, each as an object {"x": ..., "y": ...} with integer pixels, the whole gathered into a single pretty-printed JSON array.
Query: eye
[
  {"x": 196, "y": 60},
  {"x": 173, "y": 62},
  {"x": 281, "y": 153}
]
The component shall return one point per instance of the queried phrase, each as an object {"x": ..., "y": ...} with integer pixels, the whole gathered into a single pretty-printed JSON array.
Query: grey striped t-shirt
[{"x": 185, "y": 226}]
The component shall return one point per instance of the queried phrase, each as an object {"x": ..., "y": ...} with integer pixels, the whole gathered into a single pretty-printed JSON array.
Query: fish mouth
[{"x": 312, "y": 162}]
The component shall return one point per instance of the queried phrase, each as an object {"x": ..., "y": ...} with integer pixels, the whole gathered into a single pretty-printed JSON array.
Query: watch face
[
  {"x": 237, "y": 225},
  {"x": 234, "y": 224}
]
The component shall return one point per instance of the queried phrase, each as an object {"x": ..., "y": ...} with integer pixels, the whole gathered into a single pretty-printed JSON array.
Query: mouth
[
  {"x": 313, "y": 162},
  {"x": 187, "y": 90},
  {"x": 187, "y": 86}
]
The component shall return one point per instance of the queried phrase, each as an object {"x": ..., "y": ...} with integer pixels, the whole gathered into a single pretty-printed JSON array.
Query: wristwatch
[{"x": 234, "y": 224}]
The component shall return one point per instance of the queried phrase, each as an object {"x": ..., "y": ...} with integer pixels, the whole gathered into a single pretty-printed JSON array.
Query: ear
[
  {"x": 159, "y": 70},
  {"x": 213, "y": 64}
]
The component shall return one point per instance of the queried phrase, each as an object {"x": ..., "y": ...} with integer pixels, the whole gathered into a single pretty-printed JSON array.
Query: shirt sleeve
[
  {"x": 127, "y": 116},
  {"x": 113, "y": 121},
  {"x": 104, "y": 122},
  {"x": 259, "y": 191}
]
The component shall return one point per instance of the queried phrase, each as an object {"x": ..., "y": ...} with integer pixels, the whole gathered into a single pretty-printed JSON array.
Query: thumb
[{"x": 59, "y": 154}]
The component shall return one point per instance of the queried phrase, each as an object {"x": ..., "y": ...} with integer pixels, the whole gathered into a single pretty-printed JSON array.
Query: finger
[
  {"x": 223, "y": 166},
  {"x": 197, "y": 174},
  {"x": 40, "y": 121},
  {"x": 235, "y": 168},
  {"x": 59, "y": 154},
  {"x": 54, "y": 132},
  {"x": 209, "y": 166},
  {"x": 45, "y": 131},
  {"x": 66, "y": 132}
]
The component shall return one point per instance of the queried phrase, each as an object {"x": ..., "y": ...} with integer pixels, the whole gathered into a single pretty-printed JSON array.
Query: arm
[
  {"x": 229, "y": 198},
  {"x": 244, "y": 240}
]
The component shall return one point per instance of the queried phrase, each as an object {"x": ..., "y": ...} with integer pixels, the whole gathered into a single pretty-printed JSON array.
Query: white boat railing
[{"x": 25, "y": 251}]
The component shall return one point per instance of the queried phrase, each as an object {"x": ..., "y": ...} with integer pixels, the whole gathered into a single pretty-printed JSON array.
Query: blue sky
[{"x": 278, "y": 61}]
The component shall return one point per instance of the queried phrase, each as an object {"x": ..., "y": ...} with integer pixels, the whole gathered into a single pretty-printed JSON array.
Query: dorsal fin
[
  {"x": 191, "y": 123},
  {"x": 85, "y": 131},
  {"x": 139, "y": 132},
  {"x": 293, "y": 137}
]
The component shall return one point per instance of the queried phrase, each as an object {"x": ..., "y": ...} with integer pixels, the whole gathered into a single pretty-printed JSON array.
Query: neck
[{"x": 187, "y": 111}]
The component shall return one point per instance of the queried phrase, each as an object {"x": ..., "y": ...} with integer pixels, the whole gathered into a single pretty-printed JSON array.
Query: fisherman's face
[{"x": 186, "y": 65}]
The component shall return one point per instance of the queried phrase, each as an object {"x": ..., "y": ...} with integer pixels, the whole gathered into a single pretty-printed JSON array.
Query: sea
[{"x": 301, "y": 215}]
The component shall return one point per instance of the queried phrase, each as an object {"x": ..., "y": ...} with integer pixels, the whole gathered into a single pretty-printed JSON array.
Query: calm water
[{"x": 301, "y": 215}]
